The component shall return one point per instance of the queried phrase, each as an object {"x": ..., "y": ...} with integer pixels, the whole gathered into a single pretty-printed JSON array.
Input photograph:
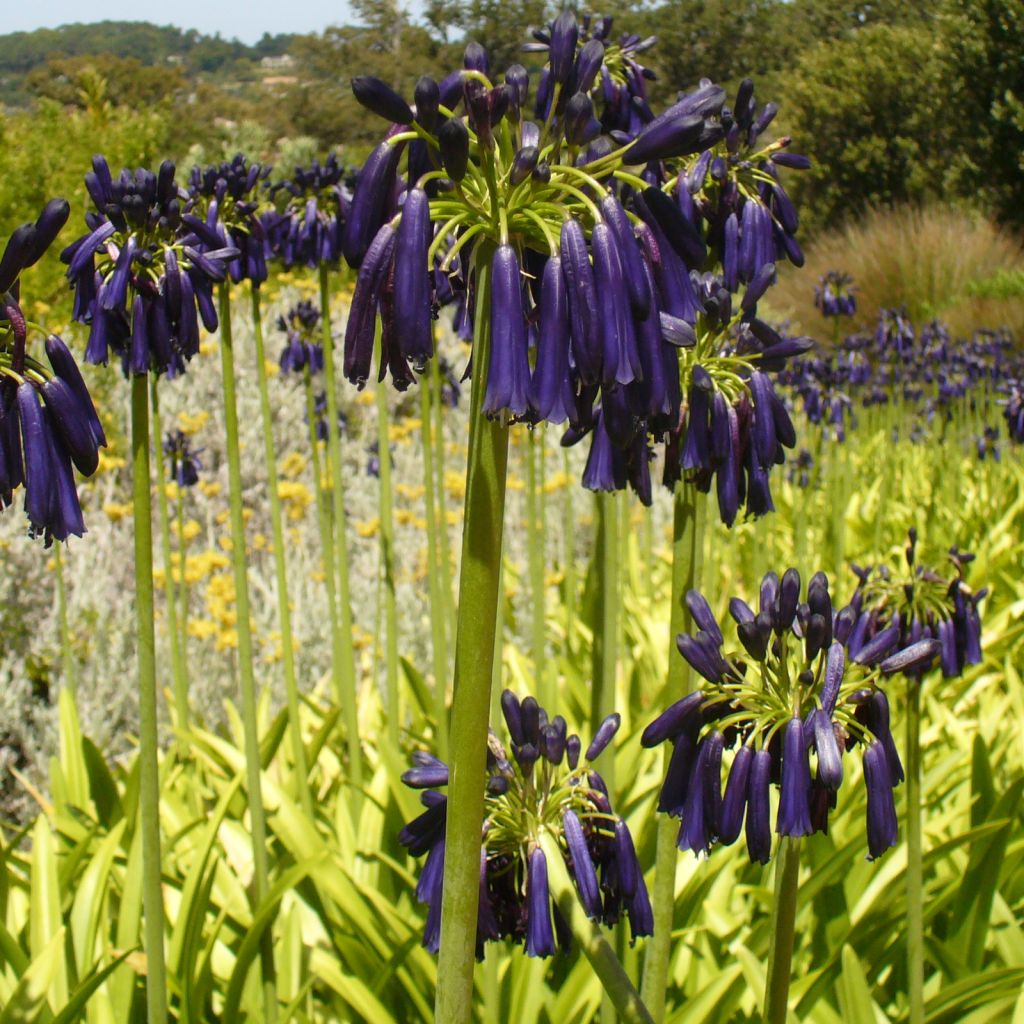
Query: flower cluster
[
  {"x": 593, "y": 233},
  {"x": 224, "y": 212},
  {"x": 834, "y": 295},
  {"x": 1013, "y": 410},
  {"x": 47, "y": 419},
  {"x": 184, "y": 460},
  {"x": 302, "y": 349},
  {"x": 791, "y": 688},
  {"x": 308, "y": 227},
  {"x": 543, "y": 782},
  {"x": 141, "y": 273},
  {"x": 923, "y": 603}
]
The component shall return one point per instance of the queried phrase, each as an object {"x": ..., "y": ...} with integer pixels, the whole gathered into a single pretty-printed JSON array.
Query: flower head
[
  {"x": 143, "y": 277},
  {"x": 312, "y": 208},
  {"x": 303, "y": 348},
  {"x": 184, "y": 460},
  {"x": 791, "y": 699},
  {"x": 540, "y": 782},
  {"x": 834, "y": 295}
]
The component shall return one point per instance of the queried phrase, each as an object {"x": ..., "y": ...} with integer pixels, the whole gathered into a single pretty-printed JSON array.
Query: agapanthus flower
[
  {"x": 183, "y": 459},
  {"x": 48, "y": 423},
  {"x": 308, "y": 228},
  {"x": 595, "y": 245},
  {"x": 224, "y": 211},
  {"x": 542, "y": 781},
  {"x": 143, "y": 278},
  {"x": 834, "y": 295},
  {"x": 1013, "y": 410},
  {"x": 923, "y": 603},
  {"x": 320, "y": 413},
  {"x": 303, "y": 348},
  {"x": 788, "y": 700}
]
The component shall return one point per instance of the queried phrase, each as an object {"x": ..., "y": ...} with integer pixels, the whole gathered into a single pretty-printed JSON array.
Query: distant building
[{"x": 283, "y": 63}]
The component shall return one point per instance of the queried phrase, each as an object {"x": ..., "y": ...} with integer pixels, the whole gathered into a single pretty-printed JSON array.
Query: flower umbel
[{"x": 541, "y": 782}]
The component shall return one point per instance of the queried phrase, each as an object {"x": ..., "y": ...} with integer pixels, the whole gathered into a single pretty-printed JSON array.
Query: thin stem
[
  {"x": 439, "y": 642},
  {"x": 177, "y": 660},
  {"x": 149, "y": 768},
  {"x": 687, "y": 549},
  {"x": 915, "y": 875},
  {"x": 474, "y": 656},
  {"x": 284, "y": 612},
  {"x": 340, "y": 568},
  {"x": 596, "y": 948},
  {"x": 387, "y": 556},
  {"x": 342, "y": 695},
  {"x": 536, "y": 560},
  {"x": 247, "y": 679},
  {"x": 606, "y": 610},
  {"x": 780, "y": 953},
  {"x": 67, "y": 654}
]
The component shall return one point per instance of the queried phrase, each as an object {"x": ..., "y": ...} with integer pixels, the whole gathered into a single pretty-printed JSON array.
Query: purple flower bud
[
  {"x": 588, "y": 63},
  {"x": 562, "y": 50},
  {"x": 64, "y": 366},
  {"x": 878, "y": 647},
  {"x": 453, "y": 142},
  {"x": 379, "y": 98},
  {"x": 508, "y": 375},
  {"x": 794, "y": 811},
  {"x": 17, "y": 252},
  {"x": 585, "y": 324},
  {"x": 702, "y": 615},
  {"x": 540, "y": 940},
  {"x": 47, "y": 226},
  {"x": 759, "y": 284},
  {"x": 672, "y": 797},
  {"x": 672, "y": 134},
  {"x": 683, "y": 715},
  {"x": 529, "y": 712},
  {"x": 573, "y": 746},
  {"x": 703, "y": 656},
  {"x": 582, "y": 865},
  {"x": 427, "y": 97},
  {"x": 630, "y": 876},
  {"x": 621, "y": 360},
  {"x": 427, "y": 773},
  {"x": 524, "y": 164},
  {"x": 835, "y": 667},
  {"x": 359, "y": 330},
  {"x": 513, "y": 720},
  {"x": 915, "y": 658},
  {"x": 703, "y": 797},
  {"x": 635, "y": 274},
  {"x": 518, "y": 78},
  {"x": 552, "y": 393},
  {"x": 758, "y": 828},
  {"x": 797, "y": 161},
  {"x": 605, "y": 732},
  {"x": 680, "y": 232},
  {"x": 830, "y": 758},
  {"x": 735, "y": 800},
  {"x": 370, "y": 201},
  {"x": 71, "y": 421},
  {"x": 412, "y": 280},
  {"x": 882, "y": 825},
  {"x": 787, "y": 600}
]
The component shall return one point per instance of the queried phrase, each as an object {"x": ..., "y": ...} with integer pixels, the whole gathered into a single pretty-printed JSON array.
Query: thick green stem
[
  {"x": 67, "y": 653},
  {"x": 535, "y": 549},
  {"x": 687, "y": 549},
  {"x": 606, "y": 612},
  {"x": 915, "y": 875},
  {"x": 177, "y": 658},
  {"x": 387, "y": 557},
  {"x": 340, "y": 567},
  {"x": 247, "y": 679},
  {"x": 445, "y": 552},
  {"x": 149, "y": 766},
  {"x": 284, "y": 611},
  {"x": 780, "y": 952},
  {"x": 438, "y": 637},
  {"x": 588, "y": 935},
  {"x": 182, "y": 587},
  {"x": 474, "y": 656},
  {"x": 569, "y": 554}
]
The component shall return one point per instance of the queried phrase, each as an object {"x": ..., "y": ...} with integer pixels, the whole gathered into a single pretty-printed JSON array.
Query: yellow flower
[
  {"x": 207, "y": 348},
  {"x": 271, "y": 368},
  {"x": 202, "y": 629},
  {"x": 365, "y": 398},
  {"x": 109, "y": 463},
  {"x": 413, "y": 492},
  {"x": 192, "y": 423},
  {"x": 115, "y": 511},
  {"x": 296, "y": 496},
  {"x": 171, "y": 490},
  {"x": 292, "y": 465},
  {"x": 455, "y": 484},
  {"x": 557, "y": 482},
  {"x": 211, "y": 488},
  {"x": 192, "y": 529},
  {"x": 368, "y": 527}
]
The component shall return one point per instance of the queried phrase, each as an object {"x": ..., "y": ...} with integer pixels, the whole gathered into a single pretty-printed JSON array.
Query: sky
[{"x": 245, "y": 21}]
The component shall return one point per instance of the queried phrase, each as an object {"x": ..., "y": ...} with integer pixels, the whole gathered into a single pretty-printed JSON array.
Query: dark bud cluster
[
  {"x": 183, "y": 460},
  {"x": 787, "y": 700},
  {"x": 1013, "y": 410},
  {"x": 302, "y": 350},
  {"x": 834, "y": 295},
  {"x": 143, "y": 277},
  {"x": 48, "y": 423},
  {"x": 307, "y": 227},
  {"x": 922, "y": 604},
  {"x": 224, "y": 212},
  {"x": 542, "y": 781}
]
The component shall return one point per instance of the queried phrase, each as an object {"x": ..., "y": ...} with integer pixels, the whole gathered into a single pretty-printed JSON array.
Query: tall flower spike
[{"x": 790, "y": 708}]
